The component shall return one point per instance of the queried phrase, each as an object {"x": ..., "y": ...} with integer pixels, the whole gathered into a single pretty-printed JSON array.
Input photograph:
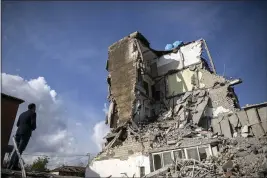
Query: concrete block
[
  {"x": 216, "y": 125},
  {"x": 263, "y": 116},
  {"x": 225, "y": 126},
  {"x": 243, "y": 118},
  {"x": 254, "y": 121},
  {"x": 200, "y": 108}
]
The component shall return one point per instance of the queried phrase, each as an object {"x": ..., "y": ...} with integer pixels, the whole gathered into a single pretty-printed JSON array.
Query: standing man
[{"x": 26, "y": 124}]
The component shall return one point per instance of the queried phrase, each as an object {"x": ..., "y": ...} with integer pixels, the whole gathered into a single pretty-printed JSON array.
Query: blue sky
[{"x": 67, "y": 42}]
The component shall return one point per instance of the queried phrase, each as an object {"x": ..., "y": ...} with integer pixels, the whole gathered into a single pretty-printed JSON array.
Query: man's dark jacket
[{"x": 26, "y": 123}]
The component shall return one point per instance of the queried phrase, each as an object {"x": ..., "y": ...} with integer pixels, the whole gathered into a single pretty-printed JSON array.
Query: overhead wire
[{"x": 27, "y": 154}]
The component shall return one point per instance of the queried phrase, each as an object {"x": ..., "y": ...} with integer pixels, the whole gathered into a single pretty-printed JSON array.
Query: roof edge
[
  {"x": 3, "y": 95},
  {"x": 136, "y": 35}
]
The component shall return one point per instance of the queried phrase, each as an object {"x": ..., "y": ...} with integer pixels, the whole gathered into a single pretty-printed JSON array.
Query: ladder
[{"x": 21, "y": 161}]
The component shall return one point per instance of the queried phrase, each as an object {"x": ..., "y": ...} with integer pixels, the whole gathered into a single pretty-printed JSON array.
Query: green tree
[{"x": 40, "y": 164}]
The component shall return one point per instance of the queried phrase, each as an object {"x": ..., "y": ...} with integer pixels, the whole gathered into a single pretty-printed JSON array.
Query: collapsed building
[{"x": 171, "y": 114}]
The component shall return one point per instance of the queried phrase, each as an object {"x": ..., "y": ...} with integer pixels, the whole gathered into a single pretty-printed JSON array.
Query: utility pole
[{"x": 89, "y": 158}]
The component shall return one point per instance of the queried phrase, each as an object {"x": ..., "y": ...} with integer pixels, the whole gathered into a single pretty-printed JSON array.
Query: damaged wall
[
  {"x": 185, "y": 56},
  {"x": 183, "y": 81},
  {"x": 221, "y": 101},
  {"x": 247, "y": 122},
  {"x": 122, "y": 69},
  {"x": 116, "y": 167}
]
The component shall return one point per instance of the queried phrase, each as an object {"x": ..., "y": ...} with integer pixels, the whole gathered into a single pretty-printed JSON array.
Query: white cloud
[
  {"x": 100, "y": 131},
  {"x": 55, "y": 135},
  {"x": 78, "y": 124}
]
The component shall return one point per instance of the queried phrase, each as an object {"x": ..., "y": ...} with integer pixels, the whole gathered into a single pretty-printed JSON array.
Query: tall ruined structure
[
  {"x": 171, "y": 114},
  {"x": 143, "y": 82}
]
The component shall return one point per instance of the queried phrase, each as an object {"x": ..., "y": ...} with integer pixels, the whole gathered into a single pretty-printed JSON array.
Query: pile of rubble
[
  {"x": 238, "y": 157},
  {"x": 188, "y": 124},
  {"x": 189, "y": 108},
  {"x": 179, "y": 123}
]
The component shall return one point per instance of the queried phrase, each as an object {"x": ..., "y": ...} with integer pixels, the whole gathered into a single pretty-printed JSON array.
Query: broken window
[
  {"x": 203, "y": 153},
  {"x": 157, "y": 98},
  {"x": 192, "y": 153},
  {"x": 153, "y": 90},
  {"x": 157, "y": 161},
  {"x": 142, "y": 171},
  {"x": 179, "y": 154},
  {"x": 154, "y": 70},
  {"x": 145, "y": 84},
  {"x": 167, "y": 158},
  {"x": 155, "y": 93}
]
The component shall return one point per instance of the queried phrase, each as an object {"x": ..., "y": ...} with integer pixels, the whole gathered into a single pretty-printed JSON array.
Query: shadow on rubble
[{"x": 90, "y": 173}]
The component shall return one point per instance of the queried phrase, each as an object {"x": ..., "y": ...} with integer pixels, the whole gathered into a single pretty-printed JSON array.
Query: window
[
  {"x": 153, "y": 90},
  {"x": 179, "y": 154},
  {"x": 155, "y": 93},
  {"x": 157, "y": 161},
  {"x": 145, "y": 84},
  {"x": 147, "y": 112},
  {"x": 167, "y": 158},
  {"x": 157, "y": 96},
  {"x": 203, "y": 153},
  {"x": 142, "y": 171},
  {"x": 192, "y": 153}
]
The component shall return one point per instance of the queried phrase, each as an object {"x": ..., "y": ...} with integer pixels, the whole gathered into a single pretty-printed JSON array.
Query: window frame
[{"x": 180, "y": 149}]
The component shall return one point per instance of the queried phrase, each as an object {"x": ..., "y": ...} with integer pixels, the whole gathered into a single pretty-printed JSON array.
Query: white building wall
[
  {"x": 115, "y": 167},
  {"x": 186, "y": 56}
]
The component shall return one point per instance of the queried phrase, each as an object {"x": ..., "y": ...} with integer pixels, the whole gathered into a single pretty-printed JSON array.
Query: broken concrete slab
[
  {"x": 200, "y": 109},
  {"x": 113, "y": 141},
  {"x": 254, "y": 121},
  {"x": 216, "y": 125},
  {"x": 159, "y": 171},
  {"x": 225, "y": 126},
  {"x": 171, "y": 142},
  {"x": 263, "y": 116}
]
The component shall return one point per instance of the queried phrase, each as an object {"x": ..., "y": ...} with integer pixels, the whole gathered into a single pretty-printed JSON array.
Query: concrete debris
[
  {"x": 160, "y": 171},
  {"x": 228, "y": 163},
  {"x": 184, "y": 106}
]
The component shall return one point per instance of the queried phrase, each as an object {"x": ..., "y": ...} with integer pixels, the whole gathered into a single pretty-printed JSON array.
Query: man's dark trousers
[
  {"x": 22, "y": 142},
  {"x": 26, "y": 124}
]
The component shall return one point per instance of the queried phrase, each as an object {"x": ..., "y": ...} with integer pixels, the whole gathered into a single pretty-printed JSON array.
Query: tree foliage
[{"x": 40, "y": 164}]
